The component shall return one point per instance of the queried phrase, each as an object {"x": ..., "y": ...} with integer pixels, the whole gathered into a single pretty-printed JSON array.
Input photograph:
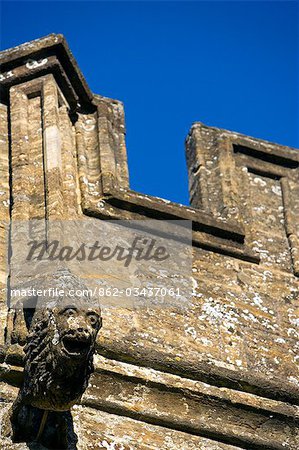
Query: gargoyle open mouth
[{"x": 75, "y": 346}]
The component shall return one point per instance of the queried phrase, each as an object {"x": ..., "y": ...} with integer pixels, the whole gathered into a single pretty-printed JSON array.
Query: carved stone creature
[{"x": 58, "y": 363}]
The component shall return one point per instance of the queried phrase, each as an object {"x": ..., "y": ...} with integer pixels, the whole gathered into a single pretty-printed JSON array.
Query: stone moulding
[
  {"x": 239, "y": 414},
  {"x": 50, "y": 54}
]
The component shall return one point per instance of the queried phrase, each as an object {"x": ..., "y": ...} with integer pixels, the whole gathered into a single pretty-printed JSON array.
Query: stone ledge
[
  {"x": 223, "y": 237},
  {"x": 218, "y": 376},
  {"x": 203, "y": 370},
  {"x": 157, "y": 398},
  {"x": 100, "y": 430}
]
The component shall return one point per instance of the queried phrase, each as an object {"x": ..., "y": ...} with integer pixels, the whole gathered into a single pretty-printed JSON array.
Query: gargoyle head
[
  {"x": 76, "y": 330},
  {"x": 60, "y": 347}
]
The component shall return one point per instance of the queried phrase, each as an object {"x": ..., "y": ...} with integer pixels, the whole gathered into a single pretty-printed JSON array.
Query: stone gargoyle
[{"x": 59, "y": 352}]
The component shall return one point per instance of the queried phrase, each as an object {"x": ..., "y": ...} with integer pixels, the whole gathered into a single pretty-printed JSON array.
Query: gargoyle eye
[
  {"x": 69, "y": 311},
  {"x": 93, "y": 317}
]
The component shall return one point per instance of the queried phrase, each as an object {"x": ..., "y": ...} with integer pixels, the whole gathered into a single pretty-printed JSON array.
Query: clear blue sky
[{"x": 228, "y": 64}]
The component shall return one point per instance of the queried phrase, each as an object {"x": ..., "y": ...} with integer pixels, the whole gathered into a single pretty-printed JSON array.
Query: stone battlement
[{"x": 222, "y": 373}]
